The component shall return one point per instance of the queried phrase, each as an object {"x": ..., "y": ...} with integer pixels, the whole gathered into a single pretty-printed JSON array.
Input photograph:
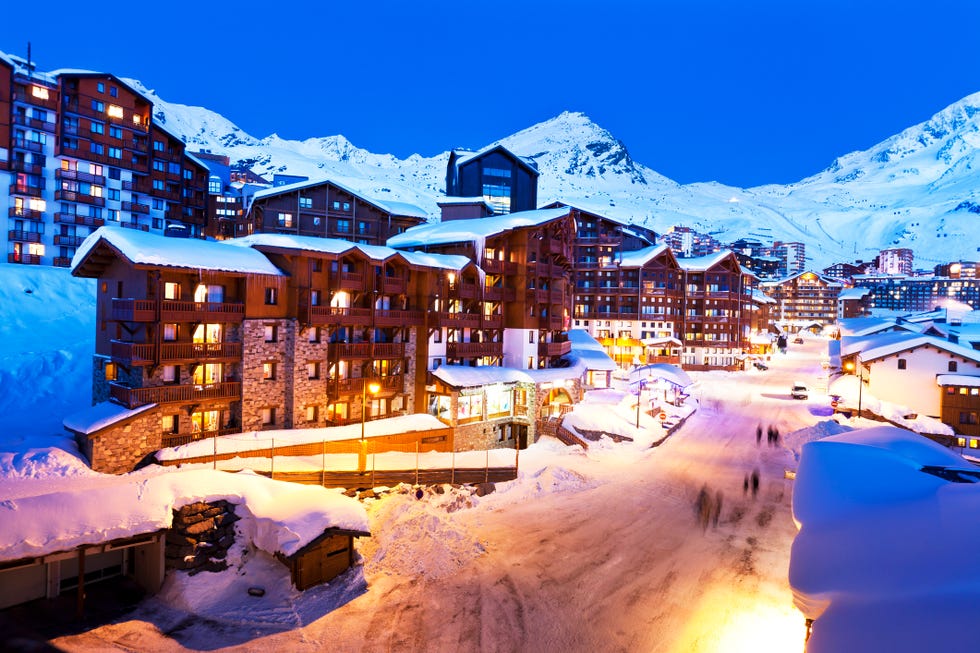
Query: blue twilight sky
[{"x": 744, "y": 93}]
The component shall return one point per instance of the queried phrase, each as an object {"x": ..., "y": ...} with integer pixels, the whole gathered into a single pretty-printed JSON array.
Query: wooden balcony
[
  {"x": 351, "y": 281},
  {"x": 71, "y": 218},
  {"x": 24, "y": 236},
  {"x": 68, "y": 241},
  {"x": 26, "y": 168},
  {"x": 72, "y": 196},
  {"x": 493, "y": 321},
  {"x": 465, "y": 290},
  {"x": 384, "y": 317},
  {"x": 455, "y": 320},
  {"x": 77, "y": 175},
  {"x": 24, "y": 259},
  {"x": 551, "y": 349},
  {"x": 138, "y": 186},
  {"x": 134, "y": 225},
  {"x": 474, "y": 349},
  {"x": 337, "y": 316},
  {"x": 50, "y": 102},
  {"x": 347, "y": 387},
  {"x": 136, "y": 353},
  {"x": 365, "y": 350},
  {"x": 146, "y": 310},
  {"x": 170, "y": 394},
  {"x": 24, "y": 144},
  {"x": 62, "y": 262},
  {"x": 22, "y": 189},
  {"x": 393, "y": 285},
  {"x": 133, "y": 207}
]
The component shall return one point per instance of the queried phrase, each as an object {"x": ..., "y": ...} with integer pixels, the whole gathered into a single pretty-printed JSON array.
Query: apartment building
[
  {"x": 910, "y": 294},
  {"x": 81, "y": 150},
  {"x": 505, "y": 181},
  {"x": 803, "y": 300}
]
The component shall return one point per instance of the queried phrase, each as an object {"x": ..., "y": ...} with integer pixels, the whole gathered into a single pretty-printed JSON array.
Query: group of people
[
  {"x": 708, "y": 507},
  {"x": 754, "y": 482},
  {"x": 772, "y": 434}
]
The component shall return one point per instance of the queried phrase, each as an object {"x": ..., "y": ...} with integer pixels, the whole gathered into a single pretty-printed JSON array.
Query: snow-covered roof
[
  {"x": 196, "y": 160},
  {"x": 853, "y": 293},
  {"x": 664, "y": 340},
  {"x": 475, "y": 230},
  {"x": 958, "y": 379},
  {"x": 850, "y": 345},
  {"x": 640, "y": 257},
  {"x": 666, "y": 371},
  {"x": 144, "y": 248},
  {"x": 465, "y": 156},
  {"x": 463, "y": 376},
  {"x": 760, "y": 297},
  {"x": 339, "y": 246},
  {"x": 99, "y": 416},
  {"x": 889, "y": 349},
  {"x": 704, "y": 263},
  {"x": 587, "y": 349},
  {"x": 86, "y": 511},
  {"x": 863, "y": 326},
  {"x": 349, "y": 185}
]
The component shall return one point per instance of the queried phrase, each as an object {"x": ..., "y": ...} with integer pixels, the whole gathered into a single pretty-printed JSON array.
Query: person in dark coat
[
  {"x": 755, "y": 482},
  {"x": 703, "y": 507},
  {"x": 758, "y": 434}
]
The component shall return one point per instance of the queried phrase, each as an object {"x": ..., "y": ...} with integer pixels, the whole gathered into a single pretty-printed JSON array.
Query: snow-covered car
[
  {"x": 798, "y": 340},
  {"x": 799, "y": 391}
]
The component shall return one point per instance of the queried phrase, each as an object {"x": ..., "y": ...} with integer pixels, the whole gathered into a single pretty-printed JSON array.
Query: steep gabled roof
[
  {"x": 640, "y": 257},
  {"x": 350, "y": 186},
  {"x": 830, "y": 281},
  {"x": 915, "y": 342},
  {"x": 705, "y": 263},
  {"x": 465, "y": 156}
]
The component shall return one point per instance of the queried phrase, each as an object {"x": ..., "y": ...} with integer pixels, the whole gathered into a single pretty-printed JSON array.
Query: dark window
[
  {"x": 952, "y": 366},
  {"x": 902, "y": 363},
  {"x": 271, "y": 296}
]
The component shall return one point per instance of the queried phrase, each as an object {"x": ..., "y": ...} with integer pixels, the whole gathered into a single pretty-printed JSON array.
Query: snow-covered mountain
[{"x": 918, "y": 189}]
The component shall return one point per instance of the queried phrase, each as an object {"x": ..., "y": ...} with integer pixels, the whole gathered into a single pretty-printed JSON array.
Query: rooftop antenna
[{"x": 30, "y": 68}]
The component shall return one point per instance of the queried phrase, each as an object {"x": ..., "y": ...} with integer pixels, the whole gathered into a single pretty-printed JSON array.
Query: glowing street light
[{"x": 373, "y": 387}]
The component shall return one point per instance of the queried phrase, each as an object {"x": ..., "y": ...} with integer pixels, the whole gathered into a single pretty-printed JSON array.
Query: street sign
[{"x": 662, "y": 416}]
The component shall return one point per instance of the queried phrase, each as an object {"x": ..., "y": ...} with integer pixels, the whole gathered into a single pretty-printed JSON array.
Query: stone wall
[
  {"x": 200, "y": 536},
  {"x": 121, "y": 447},
  {"x": 307, "y": 391},
  {"x": 258, "y": 393}
]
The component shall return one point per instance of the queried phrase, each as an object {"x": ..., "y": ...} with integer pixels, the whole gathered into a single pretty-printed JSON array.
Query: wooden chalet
[
  {"x": 328, "y": 209},
  {"x": 323, "y": 559}
]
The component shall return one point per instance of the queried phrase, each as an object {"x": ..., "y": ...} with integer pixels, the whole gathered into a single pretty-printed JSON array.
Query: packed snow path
[{"x": 602, "y": 552}]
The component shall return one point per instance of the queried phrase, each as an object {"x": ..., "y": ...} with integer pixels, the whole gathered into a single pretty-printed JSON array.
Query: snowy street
[{"x": 596, "y": 551}]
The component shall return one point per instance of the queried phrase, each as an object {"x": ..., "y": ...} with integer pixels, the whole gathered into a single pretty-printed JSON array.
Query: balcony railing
[
  {"x": 474, "y": 349},
  {"x": 493, "y": 321},
  {"x": 456, "y": 320},
  {"x": 145, "y": 310},
  {"x": 62, "y": 262},
  {"x": 24, "y": 213},
  {"x": 133, "y": 207},
  {"x": 24, "y": 144},
  {"x": 68, "y": 241},
  {"x": 554, "y": 348},
  {"x": 137, "y": 186},
  {"x": 72, "y": 196},
  {"x": 29, "y": 98},
  {"x": 351, "y": 280},
  {"x": 366, "y": 350},
  {"x": 169, "y": 394},
  {"x": 465, "y": 290},
  {"x": 384, "y": 317},
  {"x": 77, "y": 175},
  {"x": 394, "y": 383},
  {"x": 330, "y": 315},
  {"x": 71, "y": 218},
  {"x": 135, "y": 353},
  {"x": 25, "y": 259},
  {"x": 26, "y": 168},
  {"x": 21, "y": 189},
  {"x": 134, "y": 225},
  {"x": 24, "y": 236},
  {"x": 393, "y": 285}
]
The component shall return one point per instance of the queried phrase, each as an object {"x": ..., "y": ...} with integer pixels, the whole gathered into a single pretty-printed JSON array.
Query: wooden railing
[
  {"x": 136, "y": 353},
  {"x": 144, "y": 310},
  {"x": 554, "y": 348},
  {"x": 168, "y": 394},
  {"x": 474, "y": 349}
]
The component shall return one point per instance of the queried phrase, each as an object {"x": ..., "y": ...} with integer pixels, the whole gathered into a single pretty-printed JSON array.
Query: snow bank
[
  {"x": 286, "y": 516},
  {"x": 877, "y": 537}
]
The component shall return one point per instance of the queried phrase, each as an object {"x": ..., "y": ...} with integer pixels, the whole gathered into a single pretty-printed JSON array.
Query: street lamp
[
  {"x": 639, "y": 397},
  {"x": 373, "y": 387}
]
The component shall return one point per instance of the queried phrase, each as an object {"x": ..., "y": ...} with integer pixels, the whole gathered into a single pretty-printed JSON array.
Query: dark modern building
[{"x": 507, "y": 182}]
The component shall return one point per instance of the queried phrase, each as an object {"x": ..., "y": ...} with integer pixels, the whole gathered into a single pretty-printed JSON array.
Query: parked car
[
  {"x": 799, "y": 391},
  {"x": 759, "y": 365}
]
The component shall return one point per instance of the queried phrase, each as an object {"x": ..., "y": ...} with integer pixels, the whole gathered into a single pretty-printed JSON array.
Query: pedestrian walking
[
  {"x": 755, "y": 482},
  {"x": 758, "y": 435},
  {"x": 717, "y": 509},
  {"x": 745, "y": 484},
  {"x": 704, "y": 507},
  {"x": 775, "y": 436}
]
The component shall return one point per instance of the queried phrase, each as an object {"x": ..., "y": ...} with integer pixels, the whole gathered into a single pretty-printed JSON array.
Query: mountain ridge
[{"x": 914, "y": 189}]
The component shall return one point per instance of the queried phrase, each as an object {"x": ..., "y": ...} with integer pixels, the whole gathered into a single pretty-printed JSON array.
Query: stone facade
[
  {"x": 259, "y": 393},
  {"x": 121, "y": 447},
  {"x": 503, "y": 432},
  {"x": 200, "y": 536},
  {"x": 309, "y": 391}
]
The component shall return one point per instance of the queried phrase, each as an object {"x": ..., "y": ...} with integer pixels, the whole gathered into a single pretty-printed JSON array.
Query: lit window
[
  {"x": 110, "y": 372},
  {"x": 39, "y": 92},
  {"x": 137, "y": 120},
  {"x": 268, "y": 371},
  {"x": 313, "y": 370},
  {"x": 268, "y": 416},
  {"x": 115, "y": 111},
  {"x": 36, "y": 249},
  {"x": 169, "y": 332},
  {"x": 95, "y": 191},
  {"x": 286, "y": 220},
  {"x": 169, "y": 373},
  {"x": 169, "y": 423},
  {"x": 270, "y": 333},
  {"x": 171, "y": 290},
  {"x": 311, "y": 413}
]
